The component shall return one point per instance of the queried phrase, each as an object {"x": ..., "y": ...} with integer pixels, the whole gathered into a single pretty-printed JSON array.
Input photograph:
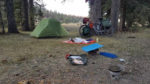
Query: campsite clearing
[{"x": 26, "y": 58}]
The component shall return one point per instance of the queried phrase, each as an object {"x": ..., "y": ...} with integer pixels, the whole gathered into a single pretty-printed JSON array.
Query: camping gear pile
[
  {"x": 91, "y": 49},
  {"x": 82, "y": 59},
  {"x": 78, "y": 40},
  {"x": 85, "y": 29},
  {"x": 77, "y": 59},
  {"x": 98, "y": 28}
]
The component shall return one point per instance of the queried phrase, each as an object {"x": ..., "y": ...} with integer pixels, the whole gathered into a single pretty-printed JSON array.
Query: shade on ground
[{"x": 49, "y": 28}]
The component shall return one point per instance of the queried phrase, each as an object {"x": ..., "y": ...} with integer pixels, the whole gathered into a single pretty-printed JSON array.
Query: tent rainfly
[{"x": 49, "y": 28}]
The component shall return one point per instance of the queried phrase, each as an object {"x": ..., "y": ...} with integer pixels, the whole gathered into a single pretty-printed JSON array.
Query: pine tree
[
  {"x": 1, "y": 23},
  {"x": 95, "y": 10},
  {"x": 12, "y": 28},
  {"x": 25, "y": 22},
  {"x": 31, "y": 14},
  {"x": 115, "y": 15}
]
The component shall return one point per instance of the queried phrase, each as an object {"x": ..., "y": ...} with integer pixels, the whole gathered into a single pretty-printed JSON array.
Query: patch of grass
[{"x": 72, "y": 28}]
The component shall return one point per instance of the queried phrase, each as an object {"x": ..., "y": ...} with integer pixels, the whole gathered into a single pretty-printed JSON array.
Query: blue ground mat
[
  {"x": 91, "y": 47},
  {"x": 109, "y": 55}
]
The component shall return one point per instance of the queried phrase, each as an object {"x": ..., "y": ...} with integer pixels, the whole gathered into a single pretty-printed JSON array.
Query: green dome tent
[{"x": 49, "y": 28}]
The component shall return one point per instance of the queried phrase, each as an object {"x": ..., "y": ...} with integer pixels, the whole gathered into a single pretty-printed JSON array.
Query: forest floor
[{"x": 43, "y": 60}]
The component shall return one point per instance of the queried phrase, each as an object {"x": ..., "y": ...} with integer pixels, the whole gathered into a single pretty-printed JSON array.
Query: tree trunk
[
  {"x": 31, "y": 14},
  {"x": 129, "y": 24},
  {"x": 12, "y": 28},
  {"x": 149, "y": 21},
  {"x": 25, "y": 23},
  {"x": 1, "y": 23},
  {"x": 95, "y": 10},
  {"x": 114, "y": 15},
  {"x": 123, "y": 16}
]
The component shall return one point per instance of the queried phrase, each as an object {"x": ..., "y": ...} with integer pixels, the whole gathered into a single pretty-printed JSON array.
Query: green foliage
[
  {"x": 62, "y": 17},
  {"x": 40, "y": 11},
  {"x": 17, "y": 11},
  {"x": 138, "y": 11},
  {"x": 3, "y": 11},
  {"x": 106, "y": 5}
]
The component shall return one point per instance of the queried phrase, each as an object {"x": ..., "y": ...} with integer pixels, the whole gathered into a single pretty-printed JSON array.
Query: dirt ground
[{"x": 42, "y": 61}]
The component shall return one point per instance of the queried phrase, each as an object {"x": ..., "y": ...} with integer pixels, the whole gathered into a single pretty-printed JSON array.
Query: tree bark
[
  {"x": 129, "y": 24},
  {"x": 95, "y": 11},
  {"x": 123, "y": 16},
  {"x": 12, "y": 28},
  {"x": 31, "y": 14},
  {"x": 25, "y": 23},
  {"x": 149, "y": 21},
  {"x": 1, "y": 22},
  {"x": 114, "y": 15}
]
